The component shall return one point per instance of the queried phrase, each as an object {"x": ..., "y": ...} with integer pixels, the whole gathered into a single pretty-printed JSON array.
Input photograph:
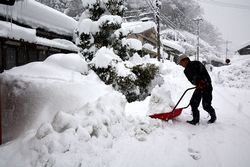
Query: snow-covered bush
[{"x": 133, "y": 80}]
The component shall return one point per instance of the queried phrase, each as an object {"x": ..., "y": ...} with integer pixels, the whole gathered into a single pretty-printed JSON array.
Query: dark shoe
[
  {"x": 193, "y": 122},
  {"x": 212, "y": 119}
]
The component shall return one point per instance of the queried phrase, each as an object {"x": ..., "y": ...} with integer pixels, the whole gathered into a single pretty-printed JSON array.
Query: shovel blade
[{"x": 167, "y": 116}]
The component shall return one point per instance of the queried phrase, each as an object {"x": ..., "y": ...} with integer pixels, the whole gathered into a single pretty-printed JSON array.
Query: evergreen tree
[{"x": 104, "y": 18}]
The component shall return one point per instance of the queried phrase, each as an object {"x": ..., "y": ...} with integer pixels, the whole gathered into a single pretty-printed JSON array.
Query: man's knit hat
[{"x": 181, "y": 57}]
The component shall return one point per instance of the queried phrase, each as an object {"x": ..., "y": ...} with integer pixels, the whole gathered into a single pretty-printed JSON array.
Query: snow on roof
[
  {"x": 36, "y": 15},
  {"x": 13, "y": 31},
  {"x": 243, "y": 45},
  {"x": 173, "y": 45},
  {"x": 138, "y": 27}
]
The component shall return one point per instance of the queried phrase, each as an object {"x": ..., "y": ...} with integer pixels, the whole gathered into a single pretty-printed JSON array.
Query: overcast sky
[{"x": 232, "y": 22}]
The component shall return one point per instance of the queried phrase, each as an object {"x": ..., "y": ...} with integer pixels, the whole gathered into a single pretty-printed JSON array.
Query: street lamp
[
  {"x": 197, "y": 20},
  {"x": 158, "y": 6},
  {"x": 227, "y": 60}
]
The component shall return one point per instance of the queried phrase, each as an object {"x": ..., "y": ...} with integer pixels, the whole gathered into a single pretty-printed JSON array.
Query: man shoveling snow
[{"x": 197, "y": 74}]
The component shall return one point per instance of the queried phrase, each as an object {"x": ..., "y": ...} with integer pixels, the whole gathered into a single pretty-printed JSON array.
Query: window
[
  {"x": 7, "y": 2},
  {"x": 42, "y": 55}
]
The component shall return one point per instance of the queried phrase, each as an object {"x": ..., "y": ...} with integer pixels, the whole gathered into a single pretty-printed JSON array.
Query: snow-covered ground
[{"x": 82, "y": 122}]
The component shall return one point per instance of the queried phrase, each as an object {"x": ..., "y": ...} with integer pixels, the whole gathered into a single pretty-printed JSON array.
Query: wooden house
[
  {"x": 31, "y": 31},
  {"x": 145, "y": 31},
  {"x": 244, "y": 49}
]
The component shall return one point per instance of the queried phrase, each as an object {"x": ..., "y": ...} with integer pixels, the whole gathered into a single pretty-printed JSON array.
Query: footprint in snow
[{"x": 194, "y": 154}]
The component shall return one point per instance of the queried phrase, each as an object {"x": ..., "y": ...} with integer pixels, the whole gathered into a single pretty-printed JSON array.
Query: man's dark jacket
[{"x": 196, "y": 73}]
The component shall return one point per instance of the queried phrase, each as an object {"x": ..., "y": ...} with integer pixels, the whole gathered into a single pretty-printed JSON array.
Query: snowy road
[{"x": 223, "y": 144}]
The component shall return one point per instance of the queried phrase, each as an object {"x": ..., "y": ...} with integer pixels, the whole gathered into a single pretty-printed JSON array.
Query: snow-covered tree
[
  {"x": 74, "y": 8},
  {"x": 59, "y": 5},
  {"x": 103, "y": 44}
]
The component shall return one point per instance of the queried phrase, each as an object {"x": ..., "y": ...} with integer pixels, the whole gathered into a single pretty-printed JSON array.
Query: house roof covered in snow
[
  {"x": 173, "y": 44},
  {"x": 37, "y": 15},
  {"x": 244, "y": 45},
  {"x": 13, "y": 31},
  {"x": 138, "y": 26}
]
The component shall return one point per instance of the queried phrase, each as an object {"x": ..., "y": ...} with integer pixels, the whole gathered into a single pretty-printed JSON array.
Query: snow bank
[
  {"x": 38, "y": 90},
  {"x": 238, "y": 70},
  {"x": 72, "y": 139},
  {"x": 66, "y": 119}
]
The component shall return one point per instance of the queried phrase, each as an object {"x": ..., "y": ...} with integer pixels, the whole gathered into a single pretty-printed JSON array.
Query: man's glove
[{"x": 201, "y": 84}]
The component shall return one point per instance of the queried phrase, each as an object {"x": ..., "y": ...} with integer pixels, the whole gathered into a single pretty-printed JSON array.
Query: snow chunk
[
  {"x": 124, "y": 71},
  {"x": 133, "y": 44},
  {"x": 63, "y": 121},
  {"x": 104, "y": 57},
  {"x": 88, "y": 26},
  {"x": 160, "y": 100},
  {"x": 110, "y": 19},
  {"x": 44, "y": 130}
]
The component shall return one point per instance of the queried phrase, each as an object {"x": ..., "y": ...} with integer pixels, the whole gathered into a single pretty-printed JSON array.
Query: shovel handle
[{"x": 182, "y": 97}]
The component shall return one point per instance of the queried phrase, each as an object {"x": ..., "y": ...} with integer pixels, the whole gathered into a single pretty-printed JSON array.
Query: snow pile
[
  {"x": 160, "y": 100},
  {"x": 133, "y": 43},
  {"x": 70, "y": 118},
  {"x": 72, "y": 62},
  {"x": 38, "y": 90},
  {"x": 72, "y": 139},
  {"x": 75, "y": 139},
  {"x": 60, "y": 67},
  {"x": 238, "y": 70}
]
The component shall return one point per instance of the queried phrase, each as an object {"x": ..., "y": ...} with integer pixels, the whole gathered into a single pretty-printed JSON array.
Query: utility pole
[
  {"x": 158, "y": 5},
  {"x": 197, "y": 20},
  {"x": 227, "y": 42}
]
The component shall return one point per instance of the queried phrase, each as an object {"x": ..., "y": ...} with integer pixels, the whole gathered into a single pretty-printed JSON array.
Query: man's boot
[
  {"x": 213, "y": 117},
  {"x": 196, "y": 117},
  {"x": 193, "y": 122}
]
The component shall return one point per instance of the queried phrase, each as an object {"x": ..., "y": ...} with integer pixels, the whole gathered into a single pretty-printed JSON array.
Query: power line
[
  {"x": 225, "y": 4},
  {"x": 162, "y": 16}
]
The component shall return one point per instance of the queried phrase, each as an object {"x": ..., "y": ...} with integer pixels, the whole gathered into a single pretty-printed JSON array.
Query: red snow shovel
[{"x": 174, "y": 113}]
